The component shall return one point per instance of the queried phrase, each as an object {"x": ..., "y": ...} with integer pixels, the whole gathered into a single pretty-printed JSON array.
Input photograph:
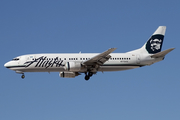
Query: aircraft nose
[{"x": 6, "y": 64}]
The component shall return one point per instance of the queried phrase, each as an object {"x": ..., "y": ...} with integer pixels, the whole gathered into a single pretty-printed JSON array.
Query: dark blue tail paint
[{"x": 154, "y": 44}]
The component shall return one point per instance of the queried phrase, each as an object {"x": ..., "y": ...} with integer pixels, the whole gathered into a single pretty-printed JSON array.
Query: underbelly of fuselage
[{"x": 59, "y": 69}]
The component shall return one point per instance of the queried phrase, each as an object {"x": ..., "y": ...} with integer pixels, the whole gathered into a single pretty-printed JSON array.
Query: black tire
[
  {"x": 90, "y": 74},
  {"x": 23, "y": 76},
  {"x": 86, "y": 77}
]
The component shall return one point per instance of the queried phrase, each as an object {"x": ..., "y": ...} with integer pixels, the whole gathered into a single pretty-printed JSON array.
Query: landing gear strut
[{"x": 87, "y": 76}]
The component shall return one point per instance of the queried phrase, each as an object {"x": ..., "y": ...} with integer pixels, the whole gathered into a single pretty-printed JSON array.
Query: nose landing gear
[
  {"x": 21, "y": 72},
  {"x": 23, "y": 76}
]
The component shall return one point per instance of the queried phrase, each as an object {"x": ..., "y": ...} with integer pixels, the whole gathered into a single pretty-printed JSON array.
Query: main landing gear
[{"x": 88, "y": 75}]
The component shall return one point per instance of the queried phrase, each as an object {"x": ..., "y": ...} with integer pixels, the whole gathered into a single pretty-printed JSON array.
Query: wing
[{"x": 100, "y": 59}]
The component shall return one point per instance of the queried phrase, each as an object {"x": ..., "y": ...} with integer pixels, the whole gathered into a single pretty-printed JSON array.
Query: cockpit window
[{"x": 15, "y": 59}]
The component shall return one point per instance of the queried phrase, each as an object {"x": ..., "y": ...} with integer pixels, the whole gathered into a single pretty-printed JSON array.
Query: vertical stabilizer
[{"x": 154, "y": 44}]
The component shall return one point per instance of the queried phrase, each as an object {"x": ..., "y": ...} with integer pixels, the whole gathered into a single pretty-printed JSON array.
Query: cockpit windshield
[{"x": 15, "y": 59}]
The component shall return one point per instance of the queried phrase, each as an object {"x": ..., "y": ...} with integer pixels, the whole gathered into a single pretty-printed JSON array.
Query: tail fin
[{"x": 154, "y": 44}]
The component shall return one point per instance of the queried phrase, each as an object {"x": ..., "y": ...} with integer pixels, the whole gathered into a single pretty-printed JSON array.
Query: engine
[
  {"x": 73, "y": 66},
  {"x": 66, "y": 74}
]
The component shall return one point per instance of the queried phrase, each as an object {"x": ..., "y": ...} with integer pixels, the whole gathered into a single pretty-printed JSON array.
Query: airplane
[{"x": 73, "y": 64}]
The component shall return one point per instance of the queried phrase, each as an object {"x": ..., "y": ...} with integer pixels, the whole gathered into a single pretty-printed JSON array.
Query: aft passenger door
[{"x": 138, "y": 58}]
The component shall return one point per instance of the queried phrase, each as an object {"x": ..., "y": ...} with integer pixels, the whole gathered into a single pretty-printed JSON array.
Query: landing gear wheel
[
  {"x": 87, "y": 77},
  {"x": 90, "y": 74},
  {"x": 23, "y": 76}
]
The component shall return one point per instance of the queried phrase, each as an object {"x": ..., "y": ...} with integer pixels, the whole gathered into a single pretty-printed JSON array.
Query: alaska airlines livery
[{"x": 71, "y": 65}]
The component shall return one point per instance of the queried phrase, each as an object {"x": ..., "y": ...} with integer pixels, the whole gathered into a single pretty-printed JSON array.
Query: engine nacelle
[
  {"x": 73, "y": 66},
  {"x": 66, "y": 74}
]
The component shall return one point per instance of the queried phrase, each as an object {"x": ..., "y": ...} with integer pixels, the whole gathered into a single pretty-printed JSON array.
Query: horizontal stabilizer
[{"x": 162, "y": 54}]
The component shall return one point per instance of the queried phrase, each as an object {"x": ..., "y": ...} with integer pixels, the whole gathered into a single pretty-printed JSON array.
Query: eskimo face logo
[{"x": 155, "y": 44}]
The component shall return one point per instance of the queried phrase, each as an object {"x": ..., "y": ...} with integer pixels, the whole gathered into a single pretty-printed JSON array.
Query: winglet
[
  {"x": 110, "y": 50},
  {"x": 162, "y": 54}
]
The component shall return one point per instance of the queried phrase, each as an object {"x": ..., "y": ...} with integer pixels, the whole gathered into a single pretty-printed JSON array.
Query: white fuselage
[
  {"x": 71, "y": 65},
  {"x": 56, "y": 62}
]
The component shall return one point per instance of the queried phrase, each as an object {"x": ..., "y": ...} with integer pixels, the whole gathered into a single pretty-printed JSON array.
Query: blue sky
[{"x": 69, "y": 26}]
